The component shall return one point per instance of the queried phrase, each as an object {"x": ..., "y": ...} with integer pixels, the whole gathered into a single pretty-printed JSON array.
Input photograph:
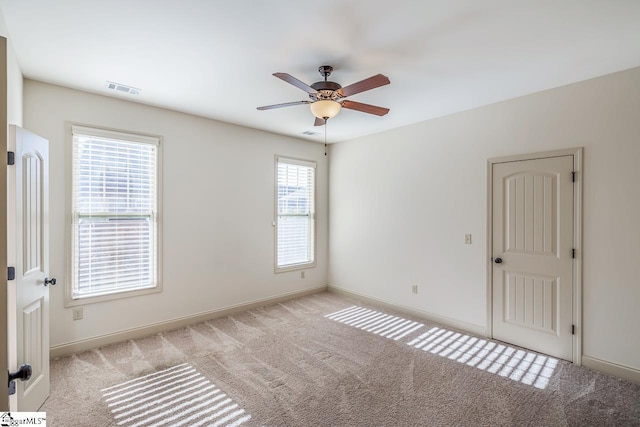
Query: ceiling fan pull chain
[{"x": 325, "y": 136}]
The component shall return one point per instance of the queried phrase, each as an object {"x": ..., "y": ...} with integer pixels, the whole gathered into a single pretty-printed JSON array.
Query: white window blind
[
  {"x": 295, "y": 205},
  {"x": 114, "y": 208}
]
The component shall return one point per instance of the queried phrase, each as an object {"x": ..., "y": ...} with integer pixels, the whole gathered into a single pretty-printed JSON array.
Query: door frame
[
  {"x": 4, "y": 133},
  {"x": 577, "y": 154}
]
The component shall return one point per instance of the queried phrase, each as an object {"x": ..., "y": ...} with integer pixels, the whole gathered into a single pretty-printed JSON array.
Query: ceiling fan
[{"x": 327, "y": 98}]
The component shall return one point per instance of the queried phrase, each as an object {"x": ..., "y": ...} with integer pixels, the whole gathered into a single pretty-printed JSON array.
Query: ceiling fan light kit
[
  {"x": 328, "y": 98},
  {"x": 325, "y": 109}
]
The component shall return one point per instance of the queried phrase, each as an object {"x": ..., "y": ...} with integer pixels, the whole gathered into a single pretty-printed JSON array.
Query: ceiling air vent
[{"x": 123, "y": 88}]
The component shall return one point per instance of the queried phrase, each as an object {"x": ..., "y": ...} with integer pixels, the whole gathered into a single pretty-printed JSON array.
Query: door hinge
[
  {"x": 11, "y": 273},
  {"x": 573, "y": 253},
  {"x": 573, "y": 177},
  {"x": 11, "y": 158},
  {"x": 573, "y": 329}
]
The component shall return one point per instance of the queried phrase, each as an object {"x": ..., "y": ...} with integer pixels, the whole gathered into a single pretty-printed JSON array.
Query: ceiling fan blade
[
  {"x": 297, "y": 83},
  {"x": 365, "y": 108},
  {"x": 320, "y": 122},
  {"x": 286, "y": 104},
  {"x": 366, "y": 84}
]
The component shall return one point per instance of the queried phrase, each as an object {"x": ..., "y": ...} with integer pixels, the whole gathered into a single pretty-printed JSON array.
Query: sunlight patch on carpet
[
  {"x": 177, "y": 396},
  {"x": 509, "y": 362},
  {"x": 375, "y": 322}
]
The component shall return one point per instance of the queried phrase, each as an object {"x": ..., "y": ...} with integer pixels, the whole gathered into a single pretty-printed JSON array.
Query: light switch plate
[{"x": 467, "y": 239}]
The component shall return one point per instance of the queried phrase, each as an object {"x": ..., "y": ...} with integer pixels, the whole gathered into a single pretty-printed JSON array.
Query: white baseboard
[
  {"x": 168, "y": 325},
  {"x": 458, "y": 324},
  {"x": 621, "y": 371}
]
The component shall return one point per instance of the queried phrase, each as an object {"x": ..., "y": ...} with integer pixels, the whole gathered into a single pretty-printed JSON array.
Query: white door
[
  {"x": 532, "y": 254},
  {"x": 30, "y": 175}
]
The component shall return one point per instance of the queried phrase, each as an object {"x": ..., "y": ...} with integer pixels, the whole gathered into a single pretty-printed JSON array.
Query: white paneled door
[
  {"x": 31, "y": 213},
  {"x": 532, "y": 254}
]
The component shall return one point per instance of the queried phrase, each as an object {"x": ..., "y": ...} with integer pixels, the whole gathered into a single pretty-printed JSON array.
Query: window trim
[
  {"x": 299, "y": 162},
  {"x": 105, "y": 132}
]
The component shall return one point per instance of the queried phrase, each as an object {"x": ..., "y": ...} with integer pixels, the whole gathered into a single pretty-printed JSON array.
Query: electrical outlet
[
  {"x": 467, "y": 239},
  {"x": 302, "y": 274},
  {"x": 77, "y": 313},
  {"x": 414, "y": 289}
]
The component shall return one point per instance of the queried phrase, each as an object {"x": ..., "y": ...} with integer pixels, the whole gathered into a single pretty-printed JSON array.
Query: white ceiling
[{"x": 214, "y": 58}]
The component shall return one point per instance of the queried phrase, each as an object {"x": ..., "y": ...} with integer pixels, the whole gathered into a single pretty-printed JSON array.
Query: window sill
[
  {"x": 72, "y": 302},
  {"x": 295, "y": 267}
]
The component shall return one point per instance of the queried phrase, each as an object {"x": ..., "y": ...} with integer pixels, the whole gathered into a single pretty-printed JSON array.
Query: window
[
  {"x": 114, "y": 213},
  {"x": 295, "y": 211}
]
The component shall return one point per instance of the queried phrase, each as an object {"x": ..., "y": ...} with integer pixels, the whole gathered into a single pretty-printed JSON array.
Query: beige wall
[
  {"x": 402, "y": 201},
  {"x": 218, "y": 211}
]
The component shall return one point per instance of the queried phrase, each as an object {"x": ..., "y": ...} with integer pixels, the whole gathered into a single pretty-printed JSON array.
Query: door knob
[
  {"x": 22, "y": 374},
  {"x": 497, "y": 261},
  {"x": 51, "y": 281}
]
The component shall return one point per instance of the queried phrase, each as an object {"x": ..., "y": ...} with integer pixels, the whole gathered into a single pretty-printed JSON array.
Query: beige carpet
[{"x": 325, "y": 360}]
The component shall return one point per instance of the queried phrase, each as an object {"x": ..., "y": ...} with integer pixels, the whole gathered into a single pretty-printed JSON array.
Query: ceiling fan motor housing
[
  {"x": 325, "y": 90},
  {"x": 326, "y": 86}
]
